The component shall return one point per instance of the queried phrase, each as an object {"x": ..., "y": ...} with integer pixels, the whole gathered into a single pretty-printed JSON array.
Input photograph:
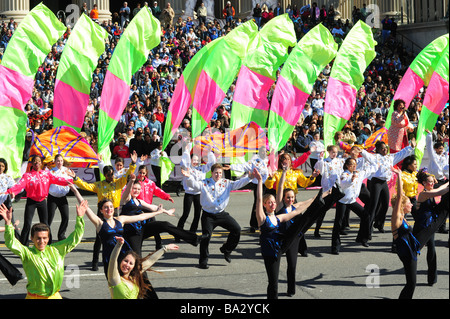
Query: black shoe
[
  {"x": 334, "y": 251},
  {"x": 226, "y": 254},
  {"x": 203, "y": 266},
  {"x": 316, "y": 234},
  {"x": 94, "y": 266},
  {"x": 343, "y": 232},
  {"x": 14, "y": 280},
  {"x": 362, "y": 242}
]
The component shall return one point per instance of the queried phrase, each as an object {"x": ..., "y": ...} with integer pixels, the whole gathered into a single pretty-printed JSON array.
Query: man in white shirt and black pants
[{"x": 214, "y": 197}]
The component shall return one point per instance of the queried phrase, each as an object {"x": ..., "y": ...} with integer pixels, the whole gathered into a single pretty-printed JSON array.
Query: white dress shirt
[
  {"x": 350, "y": 188},
  {"x": 331, "y": 170},
  {"x": 384, "y": 163},
  {"x": 214, "y": 196},
  {"x": 197, "y": 172},
  {"x": 56, "y": 190},
  {"x": 437, "y": 162}
]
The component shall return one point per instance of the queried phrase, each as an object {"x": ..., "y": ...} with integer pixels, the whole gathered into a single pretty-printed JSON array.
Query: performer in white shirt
[
  {"x": 192, "y": 163},
  {"x": 331, "y": 170},
  {"x": 379, "y": 190},
  {"x": 259, "y": 161},
  {"x": 214, "y": 197},
  {"x": 438, "y": 159},
  {"x": 57, "y": 197},
  {"x": 351, "y": 181}
]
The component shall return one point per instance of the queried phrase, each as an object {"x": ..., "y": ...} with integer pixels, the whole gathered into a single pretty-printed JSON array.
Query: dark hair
[
  {"x": 2, "y": 160},
  {"x": 136, "y": 273},
  {"x": 347, "y": 162},
  {"x": 397, "y": 103},
  {"x": 378, "y": 145},
  {"x": 286, "y": 190},
  {"x": 103, "y": 202},
  {"x": 422, "y": 176},
  {"x": 408, "y": 161},
  {"x": 280, "y": 160},
  {"x": 119, "y": 160},
  {"x": 438, "y": 144},
  {"x": 39, "y": 227},
  {"x": 108, "y": 169}
]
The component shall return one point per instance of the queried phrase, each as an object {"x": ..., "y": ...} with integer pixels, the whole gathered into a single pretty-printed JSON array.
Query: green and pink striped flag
[
  {"x": 219, "y": 72},
  {"x": 347, "y": 75},
  {"x": 26, "y": 51},
  {"x": 185, "y": 90},
  {"x": 418, "y": 74},
  {"x": 73, "y": 80},
  {"x": 259, "y": 70},
  {"x": 141, "y": 35},
  {"x": 295, "y": 83},
  {"x": 434, "y": 102}
]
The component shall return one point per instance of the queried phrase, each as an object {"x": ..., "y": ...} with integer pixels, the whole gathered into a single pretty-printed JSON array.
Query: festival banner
[
  {"x": 140, "y": 36},
  {"x": 219, "y": 72},
  {"x": 295, "y": 83},
  {"x": 184, "y": 91},
  {"x": 434, "y": 102},
  {"x": 26, "y": 51},
  {"x": 346, "y": 77},
  {"x": 418, "y": 74},
  {"x": 259, "y": 70},
  {"x": 73, "y": 80}
]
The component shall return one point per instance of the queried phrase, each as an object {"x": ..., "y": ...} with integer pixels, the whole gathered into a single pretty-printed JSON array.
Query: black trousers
[
  {"x": 63, "y": 206},
  {"x": 209, "y": 223},
  {"x": 188, "y": 200},
  {"x": 30, "y": 207},
  {"x": 379, "y": 202},
  {"x": 272, "y": 265},
  {"x": 291, "y": 258},
  {"x": 341, "y": 212},
  {"x": 157, "y": 172}
]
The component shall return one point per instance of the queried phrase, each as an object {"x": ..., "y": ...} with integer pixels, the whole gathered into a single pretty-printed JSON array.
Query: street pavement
[{"x": 358, "y": 272}]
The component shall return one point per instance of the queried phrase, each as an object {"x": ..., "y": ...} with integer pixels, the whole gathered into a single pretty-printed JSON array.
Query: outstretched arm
[
  {"x": 397, "y": 216},
  {"x": 152, "y": 258},
  {"x": 90, "y": 214},
  {"x": 260, "y": 215},
  {"x": 113, "y": 267},
  {"x": 279, "y": 197},
  {"x": 442, "y": 190}
]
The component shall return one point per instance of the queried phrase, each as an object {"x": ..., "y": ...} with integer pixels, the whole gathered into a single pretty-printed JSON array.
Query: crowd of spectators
[{"x": 152, "y": 87}]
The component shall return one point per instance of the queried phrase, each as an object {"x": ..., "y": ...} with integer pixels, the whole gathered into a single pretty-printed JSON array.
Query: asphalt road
[{"x": 356, "y": 273}]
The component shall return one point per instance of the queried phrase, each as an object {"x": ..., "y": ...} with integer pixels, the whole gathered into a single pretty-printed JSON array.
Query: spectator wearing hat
[{"x": 365, "y": 133}]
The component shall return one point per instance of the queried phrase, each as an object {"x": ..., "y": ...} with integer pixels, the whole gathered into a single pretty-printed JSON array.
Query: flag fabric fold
[
  {"x": 295, "y": 83},
  {"x": 347, "y": 75},
  {"x": 184, "y": 92},
  {"x": 219, "y": 72},
  {"x": 26, "y": 51},
  {"x": 418, "y": 74},
  {"x": 141, "y": 35},
  {"x": 258, "y": 71},
  {"x": 73, "y": 80},
  {"x": 434, "y": 102}
]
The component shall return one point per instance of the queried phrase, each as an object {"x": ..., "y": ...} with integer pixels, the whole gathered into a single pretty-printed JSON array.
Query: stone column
[{"x": 16, "y": 9}]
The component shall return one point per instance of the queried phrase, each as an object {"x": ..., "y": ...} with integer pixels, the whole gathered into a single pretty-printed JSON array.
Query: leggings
[
  {"x": 187, "y": 203},
  {"x": 379, "y": 202},
  {"x": 410, "y": 267},
  {"x": 63, "y": 206},
  {"x": 30, "y": 206}
]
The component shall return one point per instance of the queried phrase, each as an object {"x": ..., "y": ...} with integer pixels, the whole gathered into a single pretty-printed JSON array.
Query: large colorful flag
[
  {"x": 233, "y": 143},
  {"x": 346, "y": 77},
  {"x": 308, "y": 58},
  {"x": 141, "y": 35},
  {"x": 26, "y": 51},
  {"x": 184, "y": 91},
  {"x": 418, "y": 73},
  {"x": 73, "y": 80},
  {"x": 219, "y": 72},
  {"x": 259, "y": 70},
  {"x": 64, "y": 140},
  {"x": 434, "y": 102}
]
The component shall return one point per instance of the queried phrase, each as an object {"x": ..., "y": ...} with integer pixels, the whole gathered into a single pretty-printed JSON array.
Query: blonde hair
[{"x": 403, "y": 199}]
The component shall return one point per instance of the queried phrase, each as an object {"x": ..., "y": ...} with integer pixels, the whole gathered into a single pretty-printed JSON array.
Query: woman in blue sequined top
[
  {"x": 270, "y": 239},
  {"x": 427, "y": 217}
]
